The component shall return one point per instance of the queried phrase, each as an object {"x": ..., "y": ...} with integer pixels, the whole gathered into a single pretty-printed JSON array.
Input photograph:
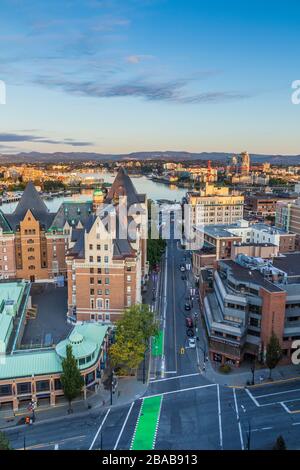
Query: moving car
[
  {"x": 187, "y": 305},
  {"x": 189, "y": 322},
  {"x": 182, "y": 268},
  {"x": 192, "y": 342}
]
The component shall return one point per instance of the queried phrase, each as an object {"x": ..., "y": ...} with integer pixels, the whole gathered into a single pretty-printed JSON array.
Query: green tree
[
  {"x": 133, "y": 331},
  {"x": 4, "y": 442},
  {"x": 155, "y": 249},
  {"x": 274, "y": 353},
  {"x": 279, "y": 444},
  {"x": 71, "y": 379}
]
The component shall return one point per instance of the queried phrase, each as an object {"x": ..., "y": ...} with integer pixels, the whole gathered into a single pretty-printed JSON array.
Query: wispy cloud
[
  {"x": 172, "y": 91},
  {"x": 16, "y": 137},
  {"x": 137, "y": 58}
]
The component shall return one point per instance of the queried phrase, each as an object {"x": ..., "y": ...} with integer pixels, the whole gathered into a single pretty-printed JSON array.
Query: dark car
[
  {"x": 189, "y": 322},
  {"x": 187, "y": 306}
]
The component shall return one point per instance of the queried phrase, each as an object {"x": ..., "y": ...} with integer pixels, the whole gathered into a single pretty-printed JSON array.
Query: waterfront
[{"x": 142, "y": 184}]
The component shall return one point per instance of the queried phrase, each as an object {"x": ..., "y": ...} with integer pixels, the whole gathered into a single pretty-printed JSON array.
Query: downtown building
[
  {"x": 104, "y": 271},
  {"x": 244, "y": 300},
  {"x": 214, "y": 205},
  {"x": 106, "y": 262}
]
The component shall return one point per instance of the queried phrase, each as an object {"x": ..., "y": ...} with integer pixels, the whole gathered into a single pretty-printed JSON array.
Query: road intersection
[{"x": 182, "y": 408}]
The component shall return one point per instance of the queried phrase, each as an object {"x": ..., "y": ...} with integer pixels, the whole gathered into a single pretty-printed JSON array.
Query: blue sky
[{"x": 117, "y": 76}]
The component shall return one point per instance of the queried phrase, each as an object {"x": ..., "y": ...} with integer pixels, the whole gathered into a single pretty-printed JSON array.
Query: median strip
[{"x": 146, "y": 428}]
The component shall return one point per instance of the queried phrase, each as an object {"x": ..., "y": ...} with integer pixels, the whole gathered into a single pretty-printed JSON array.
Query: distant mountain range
[{"x": 67, "y": 157}]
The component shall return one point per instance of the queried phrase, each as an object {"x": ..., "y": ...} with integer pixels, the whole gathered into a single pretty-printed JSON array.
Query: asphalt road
[{"x": 194, "y": 413}]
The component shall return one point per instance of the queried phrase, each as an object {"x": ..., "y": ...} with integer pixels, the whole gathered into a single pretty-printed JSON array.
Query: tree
[
  {"x": 155, "y": 248},
  {"x": 71, "y": 379},
  {"x": 274, "y": 353},
  {"x": 132, "y": 336},
  {"x": 4, "y": 442},
  {"x": 279, "y": 444}
]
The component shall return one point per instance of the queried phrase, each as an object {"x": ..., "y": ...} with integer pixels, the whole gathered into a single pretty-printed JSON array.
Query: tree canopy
[
  {"x": 71, "y": 379},
  {"x": 274, "y": 352},
  {"x": 133, "y": 331}
]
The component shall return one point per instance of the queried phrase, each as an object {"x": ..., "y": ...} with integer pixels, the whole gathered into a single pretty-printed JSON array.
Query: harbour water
[{"x": 142, "y": 184}]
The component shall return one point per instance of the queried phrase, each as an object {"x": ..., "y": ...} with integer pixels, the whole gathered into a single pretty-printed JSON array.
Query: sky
[{"x": 119, "y": 76}]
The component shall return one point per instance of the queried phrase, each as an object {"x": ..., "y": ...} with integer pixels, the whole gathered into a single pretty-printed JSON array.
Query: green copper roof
[{"x": 39, "y": 362}]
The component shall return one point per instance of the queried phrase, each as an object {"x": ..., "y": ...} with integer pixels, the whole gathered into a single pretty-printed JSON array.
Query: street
[{"x": 192, "y": 412}]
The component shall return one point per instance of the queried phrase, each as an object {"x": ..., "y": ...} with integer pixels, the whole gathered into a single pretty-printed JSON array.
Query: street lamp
[{"x": 253, "y": 371}]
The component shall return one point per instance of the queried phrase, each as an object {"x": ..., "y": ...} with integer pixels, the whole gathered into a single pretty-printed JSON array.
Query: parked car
[
  {"x": 187, "y": 306},
  {"x": 182, "y": 268},
  {"x": 192, "y": 343}
]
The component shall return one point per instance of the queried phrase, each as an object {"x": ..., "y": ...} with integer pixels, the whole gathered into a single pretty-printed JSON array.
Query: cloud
[
  {"x": 136, "y": 59},
  {"x": 172, "y": 91},
  {"x": 15, "y": 137}
]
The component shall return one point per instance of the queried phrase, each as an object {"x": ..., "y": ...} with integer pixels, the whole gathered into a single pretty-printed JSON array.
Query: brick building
[
  {"x": 247, "y": 300},
  {"x": 106, "y": 269}
]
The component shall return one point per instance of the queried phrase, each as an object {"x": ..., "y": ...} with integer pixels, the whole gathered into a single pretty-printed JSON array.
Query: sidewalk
[{"x": 128, "y": 390}]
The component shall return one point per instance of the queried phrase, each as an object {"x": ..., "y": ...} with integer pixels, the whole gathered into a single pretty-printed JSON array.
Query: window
[
  {"x": 91, "y": 246},
  {"x": 128, "y": 278},
  {"x": 128, "y": 300},
  {"x": 98, "y": 259},
  {"x": 91, "y": 259},
  {"x": 100, "y": 304},
  {"x": 99, "y": 281},
  {"x": 31, "y": 267},
  {"x": 106, "y": 247},
  {"x": 91, "y": 280},
  {"x": 99, "y": 271},
  {"x": 106, "y": 303},
  {"x": 128, "y": 289},
  {"x": 99, "y": 291},
  {"x": 98, "y": 247},
  {"x": 91, "y": 270},
  {"x": 106, "y": 291},
  {"x": 106, "y": 270},
  {"x": 105, "y": 259},
  {"x": 92, "y": 303},
  {"x": 92, "y": 291},
  {"x": 107, "y": 280}
]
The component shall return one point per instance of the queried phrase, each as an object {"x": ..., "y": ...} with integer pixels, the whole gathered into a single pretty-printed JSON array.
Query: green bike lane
[{"x": 147, "y": 424}]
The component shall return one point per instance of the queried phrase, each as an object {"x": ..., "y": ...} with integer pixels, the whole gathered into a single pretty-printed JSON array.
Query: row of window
[
  {"x": 91, "y": 247},
  {"x": 106, "y": 259}
]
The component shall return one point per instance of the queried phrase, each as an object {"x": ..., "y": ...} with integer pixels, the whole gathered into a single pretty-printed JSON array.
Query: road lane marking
[
  {"x": 99, "y": 429},
  {"x": 278, "y": 393},
  {"x": 180, "y": 390},
  {"x": 52, "y": 443},
  {"x": 220, "y": 417},
  {"x": 157, "y": 424},
  {"x": 177, "y": 376},
  {"x": 252, "y": 397},
  {"x": 174, "y": 316},
  {"x": 123, "y": 427},
  {"x": 238, "y": 420},
  {"x": 163, "y": 359},
  {"x": 147, "y": 423}
]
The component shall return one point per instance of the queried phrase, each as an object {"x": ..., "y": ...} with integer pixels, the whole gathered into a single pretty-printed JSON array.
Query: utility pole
[
  {"x": 253, "y": 371},
  {"x": 111, "y": 386}
]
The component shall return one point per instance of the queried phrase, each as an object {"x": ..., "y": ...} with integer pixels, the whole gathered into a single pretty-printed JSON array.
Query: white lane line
[
  {"x": 261, "y": 429},
  {"x": 163, "y": 359},
  {"x": 252, "y": 397},
  {"x": 238, "y": 420},
  {"x": 278, "y": 393},
  {"x": 99, "y": 429},
  {"x": 136, "y": 424},
  {"x": 123, "y": 427},
  {"x": 295, "y": 424},
  {"x": 177, "y": 376},
  {"x": 178, "y": 391},
  {"x": 285, "y": 407},
  {"x": 157, "y": 424},
  {"x": 220, "y": 417}
]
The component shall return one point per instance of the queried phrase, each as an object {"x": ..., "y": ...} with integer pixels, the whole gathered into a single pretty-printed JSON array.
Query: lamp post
[{"x": 253, "y": 371}]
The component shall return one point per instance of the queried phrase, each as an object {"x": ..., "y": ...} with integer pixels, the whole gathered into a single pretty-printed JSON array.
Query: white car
[
  {"x": 192, "y": 343},
  {"x": 182, "y": 268}
]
